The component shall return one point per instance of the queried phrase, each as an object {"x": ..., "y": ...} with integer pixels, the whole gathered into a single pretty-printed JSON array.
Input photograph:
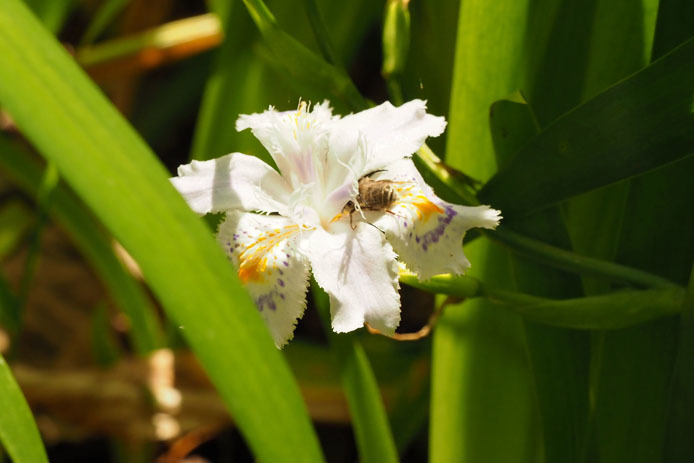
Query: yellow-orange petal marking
[
  {"x": 414, "y": 200},
  {"x": 253, "y": 254},
  {"x": 264, "y": 250}
]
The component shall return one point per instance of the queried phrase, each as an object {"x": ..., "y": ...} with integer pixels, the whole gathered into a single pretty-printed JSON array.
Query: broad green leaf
[
  {"x": 369, "y": 420},
  {"x": 481, "y": 382},
  {"x": 678, "y": 443},
  {"x": 512, "y": 123},
  {"x": 93, "y": 242},
  {"x": 559, "y": 357},
  {"x": 657, "y": 239},
  {"x": 641, "y": 123},
  {"x": 633, "y": 375},
  {"x": 674, "y": 26},
  {"x": 595, "y": 218},
  {"x": 559, "y": 55},
  {"x": 577, "y": 65},
  {"x": 18, "y": 432},
  {"x": 636, "y": 366},
  {"x": 97, "y": 153}
]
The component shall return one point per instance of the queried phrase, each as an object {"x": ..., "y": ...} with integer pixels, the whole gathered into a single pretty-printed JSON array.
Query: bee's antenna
[{"x": 374, "y": 172}]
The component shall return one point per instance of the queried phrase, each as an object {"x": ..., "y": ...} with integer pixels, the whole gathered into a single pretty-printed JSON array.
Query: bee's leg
[
  {"x": 350, "y": 220},
  {"x": 376, "y": 227},
  {"x": 387, "y": 211}
]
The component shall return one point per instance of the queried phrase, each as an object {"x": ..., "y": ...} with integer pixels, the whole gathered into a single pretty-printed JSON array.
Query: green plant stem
[
  {"x": 321, "y": 32},
  {"x": 460, "y": 286},
  {"x": 538, "y": 250},
  {"x": 576, "y": 263},
  {"x": 450, "y": 177},
  {"x": 610, "y": 311}
]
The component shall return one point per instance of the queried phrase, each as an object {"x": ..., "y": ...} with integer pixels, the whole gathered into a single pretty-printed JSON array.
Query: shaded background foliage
[{"x": 574, "y": 117}]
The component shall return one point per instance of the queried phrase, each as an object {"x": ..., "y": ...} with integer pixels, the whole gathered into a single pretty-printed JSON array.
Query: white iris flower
[{"x": 279, "y": 226}]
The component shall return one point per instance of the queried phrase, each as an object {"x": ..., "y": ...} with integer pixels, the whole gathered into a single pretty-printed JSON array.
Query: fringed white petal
[
  {"x": 425, "y": 231},
  {"x": 234, "y": 181},
  {"x": 263, "y": 248},
  {"x": 358, "y": 269},
  {"x": 296, "y": 140},
  {"x": 392, "y": 133}
]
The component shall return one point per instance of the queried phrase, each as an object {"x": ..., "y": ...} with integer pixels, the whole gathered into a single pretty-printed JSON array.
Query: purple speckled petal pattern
[
  {"x": 263, "y": 248},
  {"x": 425, "y": 231}
]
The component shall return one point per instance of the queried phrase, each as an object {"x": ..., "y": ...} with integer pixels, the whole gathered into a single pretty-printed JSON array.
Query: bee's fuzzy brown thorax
[
  {"x": 373, "y": 195},
  {"x": 376, "y": 195}
]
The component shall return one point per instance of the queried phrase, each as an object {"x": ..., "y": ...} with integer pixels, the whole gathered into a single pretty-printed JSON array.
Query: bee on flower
[{"x": 345, "y": 203}]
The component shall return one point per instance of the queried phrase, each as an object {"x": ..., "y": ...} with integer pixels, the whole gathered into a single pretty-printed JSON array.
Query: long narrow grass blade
[
  {"x": 371, "y": 428},
  {"x": 18, "y": 432},
  {"x": 95, "y": 244},
  {"x": 98, "y": 154}
]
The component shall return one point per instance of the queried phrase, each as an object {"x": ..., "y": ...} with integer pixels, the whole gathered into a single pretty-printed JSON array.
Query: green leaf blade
[
  {"x": 559, "y": 357},
  {"x": 680, "y": 419},
  {"x": 96, "y": 151},
  {"x": 369, "y": 420},
  {"x": 606, "y": 139},
  {"x": 95, "y": 245},
  {"x": 18, "y": 432},
  {"x": 479, "y": 351}
]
